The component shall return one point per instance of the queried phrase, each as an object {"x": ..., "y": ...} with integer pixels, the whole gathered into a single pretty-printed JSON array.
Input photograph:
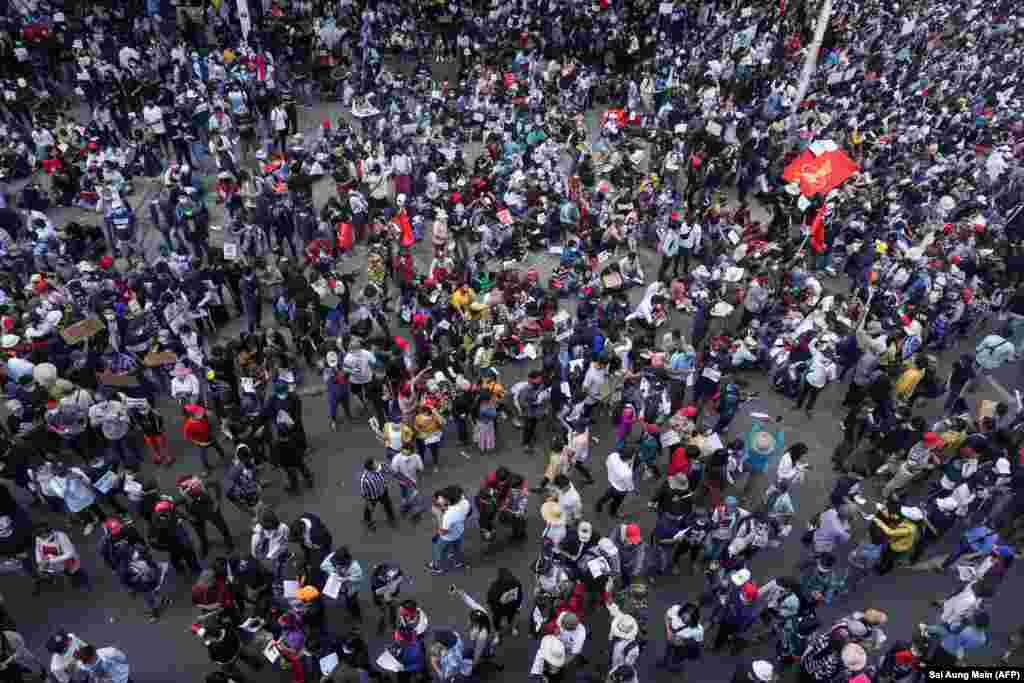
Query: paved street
[{"x": 167, "y": 652}]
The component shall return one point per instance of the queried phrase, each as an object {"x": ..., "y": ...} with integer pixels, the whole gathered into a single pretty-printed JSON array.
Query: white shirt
[
  {"x": 573, "y": 640},
  {"x": 787, "y": 471},
  {"x": 571, "y": 503},
  {"x": 620, "y": 473},
  {"x": 357, "y": 365},
  {"x": 61, "y": 662},
  {"x": 154, "y": 118},
  {"x": 279, "y": 118},
  {"x": 401, "y": 164},
  {"x": 407, "y": 465},
  {"x": 821, "y": 372},
  {"x": 277, "y": 541}
]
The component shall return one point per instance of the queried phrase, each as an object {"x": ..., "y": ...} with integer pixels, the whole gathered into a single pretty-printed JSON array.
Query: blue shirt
[
  {"x": 111, "y": 666},
  {"x": 959, "y": 643}
]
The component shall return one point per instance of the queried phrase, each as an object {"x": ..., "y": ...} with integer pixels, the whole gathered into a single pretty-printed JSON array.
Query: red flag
[
  {"x": 818, "y": 230},
  {"x": 402, "y": 221},
  {"x": 820, "y": 174},
  {"x": 345, "y": 236}
]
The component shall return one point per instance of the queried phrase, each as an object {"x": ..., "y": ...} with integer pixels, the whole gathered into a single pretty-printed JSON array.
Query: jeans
[
  {"x": 809, "y": 394},
  {"x": 334, "y": 398},
  {"x": 441, "y": 550},
  {"x": 370, "y": 503},
  {"x": 422, "y": 447},
  {"x": 203, "y": 449},
  {"x": 126, "y": 453},
  {"x": 724, "y": 420},
  {"x": 154, "y": 597}
]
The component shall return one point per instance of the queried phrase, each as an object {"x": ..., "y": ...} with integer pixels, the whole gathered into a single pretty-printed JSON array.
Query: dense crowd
[{"x": 827, "y": 199}]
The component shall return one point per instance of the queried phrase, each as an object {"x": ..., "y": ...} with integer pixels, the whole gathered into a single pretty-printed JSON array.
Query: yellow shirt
[
  {"x": 907, "y": 382},
  {"x": 462, "y": 298},
  {"x": 426, "y": 425},
  {"x": 901, "y": 537}
]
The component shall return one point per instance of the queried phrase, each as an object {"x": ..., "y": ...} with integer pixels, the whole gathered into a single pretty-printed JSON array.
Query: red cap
[
  {"x": 114, "y": 527},
  {"x": 195, "y": 410},
  {"x": 652, "y": 429},
  {"x": 163, "y": 506},
  {"x": 932, "y": 439},
  {"x": 675, "y": 216},
  {"x": 327, "y": 124},
  {"x": 905, "y": 319},
  {"x": 979, "y": 227},
  {"x": 633, "y": 534},
  {"x": 107, "y": 262},
  {"x": 689, "y": 411},
  {"x": 750, "y": 591}
]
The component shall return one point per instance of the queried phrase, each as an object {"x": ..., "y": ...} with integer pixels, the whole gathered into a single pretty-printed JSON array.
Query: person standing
[
  {"x": 532, "y": 400},
  {"x": 755, "y": 301},
  {"x": 279, "y": 124},
  {"x": 197, "y": 431},
  {"x": 620, "y": 481},
  {"x": 373, "y": 486},
  {"x": 821, "y": 371},
  {"x": 669, "y": 248},
  {"x": 204, "y": 509},
  {"x": 451, "y": 509}
]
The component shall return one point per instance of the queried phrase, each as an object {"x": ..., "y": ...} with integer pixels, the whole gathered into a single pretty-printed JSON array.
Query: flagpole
[{"x": 811, "y": 61}]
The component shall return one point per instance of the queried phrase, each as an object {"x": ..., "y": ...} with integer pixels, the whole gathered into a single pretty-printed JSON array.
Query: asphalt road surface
[{"x": 167, "y": 652}]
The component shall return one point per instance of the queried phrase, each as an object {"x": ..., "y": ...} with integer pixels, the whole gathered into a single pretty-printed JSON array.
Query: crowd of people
[{"x": 667, "y": 150}]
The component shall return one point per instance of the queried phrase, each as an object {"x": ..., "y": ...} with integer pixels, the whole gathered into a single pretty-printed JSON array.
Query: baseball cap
[{"x": 633, "y": 534}]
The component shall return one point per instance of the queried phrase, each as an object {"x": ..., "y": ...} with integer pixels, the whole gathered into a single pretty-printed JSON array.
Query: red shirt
[
  {"x": 680, "y": 464},
  {"x": 197, "y": 431}
]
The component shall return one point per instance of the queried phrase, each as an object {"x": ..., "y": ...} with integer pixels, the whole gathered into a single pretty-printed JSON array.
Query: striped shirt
[{"x": 373, "y": 485}]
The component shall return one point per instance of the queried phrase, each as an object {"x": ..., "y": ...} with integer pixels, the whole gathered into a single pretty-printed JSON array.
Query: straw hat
[
  {"x": 764, "y": 671},
  {"x": 875, "y": 617},
  {"x": 551, "y": 512},
  {"x": 552, "y": 651},
  {"x": 721, "y": 310},
  {"x": 624, "y": 626}
]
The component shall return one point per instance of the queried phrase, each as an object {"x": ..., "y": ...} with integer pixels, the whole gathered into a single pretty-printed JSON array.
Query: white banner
[{"x": 244, "y": 19}]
